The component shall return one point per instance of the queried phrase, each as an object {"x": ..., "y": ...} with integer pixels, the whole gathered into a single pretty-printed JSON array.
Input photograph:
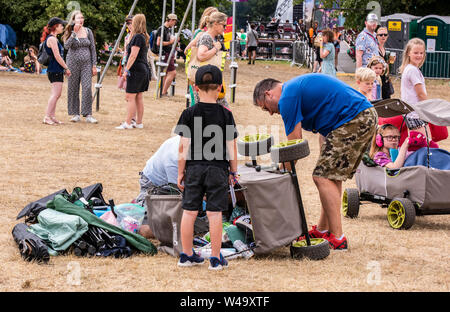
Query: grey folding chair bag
[
  {"x": 164, "y": 214},
  {"x": 274, "y": 209}
]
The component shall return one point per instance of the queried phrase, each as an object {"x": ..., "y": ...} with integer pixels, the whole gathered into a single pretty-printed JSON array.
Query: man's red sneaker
[
  {"x": 313, "y": 233},
  {"x": 336, "y": 244}
]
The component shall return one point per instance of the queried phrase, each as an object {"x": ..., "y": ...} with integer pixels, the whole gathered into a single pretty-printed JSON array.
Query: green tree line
[
  {"x": 104, "y": 17},
  {"x": 355, "y": 10}
]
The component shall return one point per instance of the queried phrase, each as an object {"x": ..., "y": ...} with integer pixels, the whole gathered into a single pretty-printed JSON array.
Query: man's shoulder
[{"x": 362, "y": 35}]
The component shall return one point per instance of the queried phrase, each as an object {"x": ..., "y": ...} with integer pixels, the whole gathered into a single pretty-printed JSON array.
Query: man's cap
[
  {"x": 216, "y": 75},
  {"x": 372, "y": 17},
  {"x": 55, "y": 21},
  {"x": 172, "y": 17}
]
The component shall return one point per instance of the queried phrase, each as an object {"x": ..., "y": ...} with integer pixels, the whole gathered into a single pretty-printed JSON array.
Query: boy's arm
[
  {"x": 183, "y": 149},
  {"x": 232, "y": 151}
]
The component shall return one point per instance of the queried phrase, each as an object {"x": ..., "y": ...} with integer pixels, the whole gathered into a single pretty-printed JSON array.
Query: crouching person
[
  {"x": 207, "y": 164},
  {"x": 160, "y": 169}
]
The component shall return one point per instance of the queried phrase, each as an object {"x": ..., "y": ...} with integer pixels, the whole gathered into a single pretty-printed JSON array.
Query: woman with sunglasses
[
  {"x": 210, "y": 47},
  {"x": 387, "y": 138},
  {"x": 387, "y": 89}
]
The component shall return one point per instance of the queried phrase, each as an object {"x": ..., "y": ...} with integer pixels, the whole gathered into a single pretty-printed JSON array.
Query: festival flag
[{"x": 228, "y": 33}]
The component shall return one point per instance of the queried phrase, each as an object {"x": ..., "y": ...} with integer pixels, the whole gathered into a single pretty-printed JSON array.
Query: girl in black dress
[{"x": 137, "y": 73}]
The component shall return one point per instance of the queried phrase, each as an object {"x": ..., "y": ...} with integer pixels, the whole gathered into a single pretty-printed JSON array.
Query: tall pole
[
  {"x": 233, "y": 65},
  {"x": 172, "y": 87},
  {"x": 98, "y": 85},
  {"x": 194, "y": 8},
  {"x": 160, "y": 60}
]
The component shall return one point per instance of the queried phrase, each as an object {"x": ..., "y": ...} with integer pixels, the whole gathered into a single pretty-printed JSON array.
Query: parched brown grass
[{"x": 37, "y": 160}]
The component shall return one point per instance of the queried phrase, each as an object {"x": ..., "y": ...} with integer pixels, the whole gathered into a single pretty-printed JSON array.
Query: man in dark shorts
[
  {"x": 207, "y": 164},
  {"x": 252, "y": 44},
  {"x": 168, "y": 40},
  {"x": 346, "y": 122}
]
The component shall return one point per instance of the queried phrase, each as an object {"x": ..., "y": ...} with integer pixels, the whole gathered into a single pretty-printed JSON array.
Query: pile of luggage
[{"x": 63, "y": 223}]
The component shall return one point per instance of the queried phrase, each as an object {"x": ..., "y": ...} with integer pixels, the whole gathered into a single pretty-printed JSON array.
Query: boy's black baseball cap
[{"x": 215, "y": 72}]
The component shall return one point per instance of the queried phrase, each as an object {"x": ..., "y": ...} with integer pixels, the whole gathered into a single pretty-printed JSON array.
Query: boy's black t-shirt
[{"x": 208, "y": 126}]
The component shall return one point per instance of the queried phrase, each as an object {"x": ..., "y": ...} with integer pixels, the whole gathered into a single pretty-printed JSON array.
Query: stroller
[{"x": 409, "y": 191}]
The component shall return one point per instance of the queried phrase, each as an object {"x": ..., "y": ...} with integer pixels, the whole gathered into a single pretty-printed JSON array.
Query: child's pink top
[
  {"x": 381, "y": 159},
  {"x": 376, "y": 91}
]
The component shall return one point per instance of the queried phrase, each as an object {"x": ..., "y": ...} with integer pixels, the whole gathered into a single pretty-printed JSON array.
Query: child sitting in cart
[{"x": 386, "y": 138}]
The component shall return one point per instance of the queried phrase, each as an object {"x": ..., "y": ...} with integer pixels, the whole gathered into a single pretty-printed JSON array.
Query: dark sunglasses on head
[{"x": 382, "y": 35}]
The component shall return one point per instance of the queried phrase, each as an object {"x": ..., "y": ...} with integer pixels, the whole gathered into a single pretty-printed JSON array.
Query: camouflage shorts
[{"x": 344, "y": 147}]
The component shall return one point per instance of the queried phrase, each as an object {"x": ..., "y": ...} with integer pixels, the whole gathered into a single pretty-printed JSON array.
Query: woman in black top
[
  {"x": 137, "y": 73},
  {"x": 57, "y": 67}
]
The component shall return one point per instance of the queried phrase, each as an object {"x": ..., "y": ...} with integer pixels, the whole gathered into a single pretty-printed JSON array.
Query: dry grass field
[{"x": 36, "y": 160}]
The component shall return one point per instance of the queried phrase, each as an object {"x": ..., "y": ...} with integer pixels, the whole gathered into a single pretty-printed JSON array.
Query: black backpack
[
  {"x": 43, "y": 57},
  {"x": 153, "y": 39}
]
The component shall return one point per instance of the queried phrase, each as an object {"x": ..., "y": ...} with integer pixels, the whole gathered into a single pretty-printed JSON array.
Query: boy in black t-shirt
[{"x": 207, "y": 163}]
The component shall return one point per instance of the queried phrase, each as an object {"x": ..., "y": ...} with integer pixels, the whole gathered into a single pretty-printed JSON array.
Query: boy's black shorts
[{"x": 203, "y": 179}]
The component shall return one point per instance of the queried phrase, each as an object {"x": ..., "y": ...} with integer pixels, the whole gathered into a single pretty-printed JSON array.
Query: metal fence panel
[{"x": 437, "y": 64}]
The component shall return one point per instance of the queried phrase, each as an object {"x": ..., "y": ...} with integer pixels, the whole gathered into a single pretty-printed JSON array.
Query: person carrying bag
[{"x": 209, "y": 51}]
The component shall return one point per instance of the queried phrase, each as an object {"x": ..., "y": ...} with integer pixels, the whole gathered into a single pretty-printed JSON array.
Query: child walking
[
  {"x": 207, "y": 163},
  {"x": 365, "y": 78},
  {"x": 378, "y": 65},
  {"x": 386, "y": 138}
]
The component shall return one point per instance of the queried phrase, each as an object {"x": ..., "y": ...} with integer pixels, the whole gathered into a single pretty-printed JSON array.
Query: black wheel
[
  {"x": 290, "y": 150},
  {"x": 319, "y": 249},
  {"x": 350, "y": 203},
  {"x": 401, "y": 214},
  {"x": 255, "y": 144}
]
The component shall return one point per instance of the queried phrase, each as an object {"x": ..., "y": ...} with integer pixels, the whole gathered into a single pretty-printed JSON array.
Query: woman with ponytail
[{"x": 56, "y": 67}]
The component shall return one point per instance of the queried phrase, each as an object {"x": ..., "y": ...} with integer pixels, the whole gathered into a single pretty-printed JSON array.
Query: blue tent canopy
[{"x": 7, "y": 36}]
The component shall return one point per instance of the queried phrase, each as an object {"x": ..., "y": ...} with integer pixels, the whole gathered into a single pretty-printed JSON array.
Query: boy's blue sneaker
[
  {"x": 187, "y": 261},
  {"x": 217, "y": 264}
]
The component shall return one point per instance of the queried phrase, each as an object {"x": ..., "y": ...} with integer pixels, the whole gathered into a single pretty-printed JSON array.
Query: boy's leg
[
  {"x": 216, "y": 183},
  {"x": 187, "y": 230},
  {"x": 215, "y": 231},
  {"x": 192, "y": 202}
]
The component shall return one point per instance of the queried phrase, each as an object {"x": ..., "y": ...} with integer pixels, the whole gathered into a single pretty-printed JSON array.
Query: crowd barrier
[
  {"x": 275, "y": 49},
  {"x": 303, "y": 54}
]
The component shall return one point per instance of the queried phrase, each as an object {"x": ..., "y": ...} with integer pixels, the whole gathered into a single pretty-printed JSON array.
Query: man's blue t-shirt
[
  {"x": 162, "y": 167},
  {"x": 320, "y": 102}
]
